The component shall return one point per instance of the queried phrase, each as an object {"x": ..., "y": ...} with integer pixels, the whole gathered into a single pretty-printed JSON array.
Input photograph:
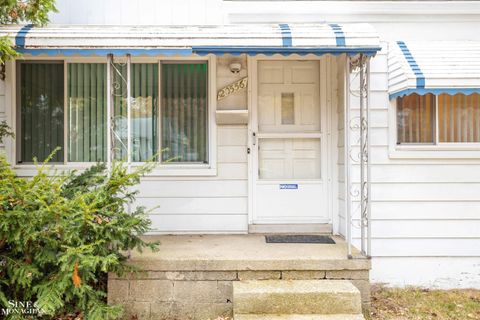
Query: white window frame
[
  {"x": 162, "y": 169},
  {"x": 437, "y": 150}
]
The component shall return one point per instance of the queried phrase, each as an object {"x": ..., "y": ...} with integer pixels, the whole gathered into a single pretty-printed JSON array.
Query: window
[
  {"x": 288, "y": 108},
  {"x": 416, "y": 119},
  {"x": 169, "y": 111},
  {"x": 459, "y": 118},
  {"x": 184, "y": 112},
  {"x": 436, "y": 119},
  {"x": 40, "y": 105},
  {"x": 144, "y": 111}
]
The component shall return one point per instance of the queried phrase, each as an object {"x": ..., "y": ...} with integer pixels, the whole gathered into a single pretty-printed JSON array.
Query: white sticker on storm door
[{"x": 288, "y": 186}]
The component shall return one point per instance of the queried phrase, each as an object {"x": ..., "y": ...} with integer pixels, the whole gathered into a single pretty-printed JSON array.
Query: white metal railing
[
  {"x": 357, "y": 68},
  {"x": 113, "y": 136}
]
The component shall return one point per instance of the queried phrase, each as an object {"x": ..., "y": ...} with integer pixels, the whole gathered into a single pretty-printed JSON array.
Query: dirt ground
[{"x": 420, "y": 304}]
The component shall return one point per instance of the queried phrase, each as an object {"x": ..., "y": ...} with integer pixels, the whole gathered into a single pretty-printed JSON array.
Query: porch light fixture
[{"x": 235, "y": 67}]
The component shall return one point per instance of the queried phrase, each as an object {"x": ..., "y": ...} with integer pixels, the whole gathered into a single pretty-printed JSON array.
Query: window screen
[
  {"x": 459, "y": 118},
  {"x": 416, "y": 119},
  {"x": 184, "y": 112},
  {"x": 41, "y": 111}
]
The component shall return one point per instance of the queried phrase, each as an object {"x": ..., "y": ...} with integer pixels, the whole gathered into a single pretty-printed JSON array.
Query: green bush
[{"x": 60, "y": 235}]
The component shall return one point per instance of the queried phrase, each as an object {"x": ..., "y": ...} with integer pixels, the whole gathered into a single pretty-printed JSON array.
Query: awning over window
[
  {"x": 433, "y": 67},
  {"x": 249, "y": 39}
]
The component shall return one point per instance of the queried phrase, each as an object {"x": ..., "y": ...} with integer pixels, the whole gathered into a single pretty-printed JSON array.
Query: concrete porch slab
[
  {"x": 244, "y": 252},
  {"x": 192, "y": 276}
]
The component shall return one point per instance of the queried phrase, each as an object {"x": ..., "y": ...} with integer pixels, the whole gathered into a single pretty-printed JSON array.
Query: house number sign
[{"x": 232, "y": 88}]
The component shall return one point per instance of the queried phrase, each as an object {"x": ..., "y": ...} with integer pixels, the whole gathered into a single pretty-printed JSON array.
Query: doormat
[{"x": 299, "y": 238}]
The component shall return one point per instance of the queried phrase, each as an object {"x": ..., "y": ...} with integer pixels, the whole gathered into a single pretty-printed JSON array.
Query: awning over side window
[
  {"x": 433, "y": 67},
  {"x": 237, "y": 39}
]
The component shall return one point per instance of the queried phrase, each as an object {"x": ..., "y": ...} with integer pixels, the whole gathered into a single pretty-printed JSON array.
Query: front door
[{"x": 289, "y": 145}]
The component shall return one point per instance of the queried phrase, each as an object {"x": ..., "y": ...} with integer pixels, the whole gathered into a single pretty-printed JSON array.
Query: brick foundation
[{"x": 203, "y": 295}]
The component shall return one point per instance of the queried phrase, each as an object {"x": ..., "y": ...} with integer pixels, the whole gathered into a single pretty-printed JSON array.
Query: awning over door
[
  {"x": 249, "y": 39},
  {"x": 433, "y": 67}
]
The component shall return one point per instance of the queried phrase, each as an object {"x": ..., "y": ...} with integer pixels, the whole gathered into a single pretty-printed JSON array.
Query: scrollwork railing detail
[{"x": 358, "y": 151}]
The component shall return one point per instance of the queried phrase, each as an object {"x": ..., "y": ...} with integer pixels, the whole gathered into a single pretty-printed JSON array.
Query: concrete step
[
  {"x": 299, "y": 317},
  {"x": 303, "y": 297}
]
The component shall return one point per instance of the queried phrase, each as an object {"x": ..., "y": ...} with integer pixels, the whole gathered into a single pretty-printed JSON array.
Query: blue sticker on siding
[{"x": 288, "y": 186}]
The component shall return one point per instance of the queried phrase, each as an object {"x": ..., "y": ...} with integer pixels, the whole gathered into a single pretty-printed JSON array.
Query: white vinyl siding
[
  {"x": 440, "y": 272},
  {"x": 204, "y": 204},
  {"x": 340, "y": 161},
  {"x": 215, "y": 204},
  {"x": 425, "y": 212}
]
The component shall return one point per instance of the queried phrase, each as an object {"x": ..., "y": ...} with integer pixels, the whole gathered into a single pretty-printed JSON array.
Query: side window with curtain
[
  {"x": 40, "y": 97},
  {"x": 431, "y": 119},
  {"x": 184, "y": 114},
  {"x": 416, "y": 119},
  {"x": 87, "y": 112},
  {"x": 459, "y": 118}
]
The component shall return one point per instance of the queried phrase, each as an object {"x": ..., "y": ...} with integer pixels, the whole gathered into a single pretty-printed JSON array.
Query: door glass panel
[
  {"x": 289, "y": 159},
  {"x": 288, "y": 108}
]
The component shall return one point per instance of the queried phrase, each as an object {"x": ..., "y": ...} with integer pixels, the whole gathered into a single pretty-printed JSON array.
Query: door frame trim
[{"x": 331, "y": 136}]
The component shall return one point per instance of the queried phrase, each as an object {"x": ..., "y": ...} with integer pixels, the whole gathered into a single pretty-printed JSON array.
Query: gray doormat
[{"x": 299, "y": 238}]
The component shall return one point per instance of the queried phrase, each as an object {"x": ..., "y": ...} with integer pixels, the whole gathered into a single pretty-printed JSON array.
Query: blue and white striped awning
[
  {"x": 433, "y": 67},
  {"x": 249, "y": 39}
]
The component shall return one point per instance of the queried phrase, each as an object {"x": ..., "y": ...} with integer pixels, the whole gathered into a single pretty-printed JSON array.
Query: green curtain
[
  {"x": 184, "y": 112},
  {"x": 184, "y": 116},
  {"x": 87, "y": 112},
  {"x": 41, "y": 108},
  {"x": 144, "y": 91}
]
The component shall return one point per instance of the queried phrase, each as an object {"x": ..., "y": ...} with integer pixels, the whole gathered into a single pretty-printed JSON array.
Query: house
[{"x": 359, "y": 119}]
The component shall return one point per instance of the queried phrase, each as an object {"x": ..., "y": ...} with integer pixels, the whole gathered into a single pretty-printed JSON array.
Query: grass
[{"x": 420, "y": 304}]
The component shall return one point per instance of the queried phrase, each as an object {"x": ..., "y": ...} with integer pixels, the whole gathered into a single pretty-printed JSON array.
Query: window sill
[
  {"x": 180, "y": 170},
  {"x": 444, "y": 151}
]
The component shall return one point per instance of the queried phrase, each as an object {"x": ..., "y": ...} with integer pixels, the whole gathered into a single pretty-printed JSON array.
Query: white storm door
[{"x": 289, "y": 145}]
